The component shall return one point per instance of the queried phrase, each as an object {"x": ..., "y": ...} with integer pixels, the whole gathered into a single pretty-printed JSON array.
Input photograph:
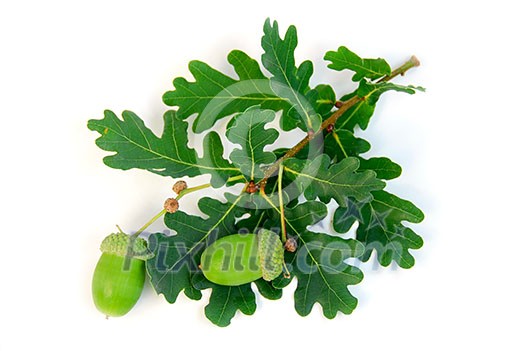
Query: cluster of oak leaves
[{"x": 330, "y": 168}]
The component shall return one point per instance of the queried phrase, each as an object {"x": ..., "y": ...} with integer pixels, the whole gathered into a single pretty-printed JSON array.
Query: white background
[{"x": 460, "y": 145}]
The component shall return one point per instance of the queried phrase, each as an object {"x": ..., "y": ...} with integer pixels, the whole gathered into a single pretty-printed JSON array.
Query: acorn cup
[{"x": 271, "y": 254}]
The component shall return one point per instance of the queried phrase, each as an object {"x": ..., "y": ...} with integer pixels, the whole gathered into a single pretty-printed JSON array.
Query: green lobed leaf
[
  {"x": 381, "y": 229},
  {"x": 372, "y": 91},
  {"x": 337, "y": 181},
  {"x": 289, "y": 81},
  {"x": 136, "y": 146},
  {"x": 248, "y": 130},
  {"x": 318, "y": 263},
  {"x": 343, "y": 59},
  {"x": 323, "y": 276},
  {"x": 225, "y": 301},
  {"x": 342, "y": 144},
  {"x": 177, "y": 256},
  {"x": 215, "y": 95},
  {"x": 361, "y": 112}
]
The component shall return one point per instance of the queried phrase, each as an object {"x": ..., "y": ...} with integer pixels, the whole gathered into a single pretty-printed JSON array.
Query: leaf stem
[
  {"x": 270, "y": 171},
  {"x": 281, "y": 204},
  {"x": 150, "y": 222},
  {"x": 192, "y": 189},
  {"x": 119, "y": 229}
]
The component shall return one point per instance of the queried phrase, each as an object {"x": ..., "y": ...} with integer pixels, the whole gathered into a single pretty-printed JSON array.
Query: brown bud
[
  {"x": 171, "y": 205},
  {"x": 290, "y": 245},
  {"x": 330, "y": 128},
  {"x": 179, "y": 186},
  {"x": 252, "y": 187},
  {"x": 338, "y": 104}
]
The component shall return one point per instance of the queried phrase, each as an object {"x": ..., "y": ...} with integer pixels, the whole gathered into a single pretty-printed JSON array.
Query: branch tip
[{"x": 415, "y": 61}]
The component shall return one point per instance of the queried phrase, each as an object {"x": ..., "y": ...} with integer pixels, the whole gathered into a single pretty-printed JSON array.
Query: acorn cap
[
  {"x": 270, "y": 253},
  {"x": 118, "y": 244}
]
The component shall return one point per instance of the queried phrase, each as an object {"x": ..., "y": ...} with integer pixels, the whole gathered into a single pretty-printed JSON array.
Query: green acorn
[
  {"x": 242, "y": 258},
  {"x": 119, "y": 276}
]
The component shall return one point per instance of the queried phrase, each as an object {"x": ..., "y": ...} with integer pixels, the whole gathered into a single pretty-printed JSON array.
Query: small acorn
[
  {"x": 171, "y": 205},
  {"x": 179, "y": 186},
  {"x": 119, "y": 276},
  {"x": 290, "y": 245}
]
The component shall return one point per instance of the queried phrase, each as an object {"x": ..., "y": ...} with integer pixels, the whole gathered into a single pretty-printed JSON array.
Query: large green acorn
[
  {"x": 242, "y": 258},
  {"x": 119, "y": 276}
]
